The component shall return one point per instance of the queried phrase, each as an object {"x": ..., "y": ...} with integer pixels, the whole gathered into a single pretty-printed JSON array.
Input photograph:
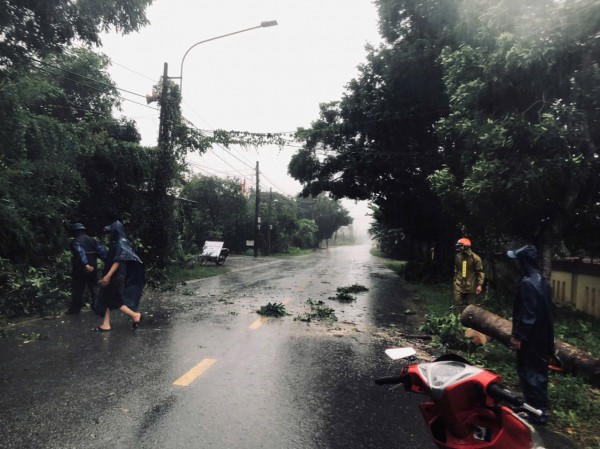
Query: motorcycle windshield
[{"x": 440, "y": 375}]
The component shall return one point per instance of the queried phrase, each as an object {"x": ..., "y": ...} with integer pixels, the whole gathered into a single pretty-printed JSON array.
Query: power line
[
  {"x": 112, "y": 61},
  {"x": 111, "y": 86},
  {"x": 141, "y": 104},
  {"x": 224, "y": 161},
  {"x": 227, "y": 151},
  {"x": 270, "y": 181},
  {"x": 211, "y": 169}
]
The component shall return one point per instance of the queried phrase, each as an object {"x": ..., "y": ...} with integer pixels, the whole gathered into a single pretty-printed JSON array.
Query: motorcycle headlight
[{"x": 440, "y": 375}]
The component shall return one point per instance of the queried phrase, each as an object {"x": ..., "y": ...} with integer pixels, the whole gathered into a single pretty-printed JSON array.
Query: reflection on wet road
[{"x": 206, "y": 371}]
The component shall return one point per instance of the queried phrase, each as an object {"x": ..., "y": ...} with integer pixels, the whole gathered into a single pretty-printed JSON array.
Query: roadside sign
[{"x": 212, "y": 249}]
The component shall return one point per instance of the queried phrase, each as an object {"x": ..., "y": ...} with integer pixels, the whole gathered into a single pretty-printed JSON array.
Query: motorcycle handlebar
[
  {"x": 392, "y": 380},
  {"x": 498, "y": 392},
  {"x": 532, "y": 410}
]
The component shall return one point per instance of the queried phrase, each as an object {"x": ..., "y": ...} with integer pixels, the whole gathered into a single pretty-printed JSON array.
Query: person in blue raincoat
[
  {"x": 532, "y": 335},
  {"x": 122, "y": 281},
  {"x": 85, "y": 252}
]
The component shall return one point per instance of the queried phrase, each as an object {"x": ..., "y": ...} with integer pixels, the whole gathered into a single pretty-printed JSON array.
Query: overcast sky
[{"x": 263, "y": 80}]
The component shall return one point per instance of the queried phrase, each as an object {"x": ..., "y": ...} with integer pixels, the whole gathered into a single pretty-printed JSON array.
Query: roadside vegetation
[
  {"x": 176, "y": 274},
  {"x": 32, "y": 289},
  {"x": 397, "y": 266},
  {"x": 296, "y": 252}
]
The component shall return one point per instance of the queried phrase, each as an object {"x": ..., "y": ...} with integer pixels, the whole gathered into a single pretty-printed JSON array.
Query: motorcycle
[{"x": 466, "y": 408}]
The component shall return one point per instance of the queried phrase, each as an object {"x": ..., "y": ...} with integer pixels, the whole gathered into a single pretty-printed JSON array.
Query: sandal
[
  {"x": 99, "y": 329},
  {"x": 135, "y": 324}
]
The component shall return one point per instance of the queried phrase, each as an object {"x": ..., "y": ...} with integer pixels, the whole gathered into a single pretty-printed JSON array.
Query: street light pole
[
  {"x": 264, "y": 24},
  {"x": 163, "y": 177}
]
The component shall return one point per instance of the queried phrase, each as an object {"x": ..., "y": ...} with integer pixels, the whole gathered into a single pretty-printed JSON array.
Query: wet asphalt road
[
  {"x": 276, "y": 383},
  {"x": 281, "y": 383}
]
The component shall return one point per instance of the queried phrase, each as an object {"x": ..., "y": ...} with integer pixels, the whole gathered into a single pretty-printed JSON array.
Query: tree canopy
[
  {"x": 48, "y": 124},
  {"x": 38, "y": 28},
  {"x": 473, "y": 117}
]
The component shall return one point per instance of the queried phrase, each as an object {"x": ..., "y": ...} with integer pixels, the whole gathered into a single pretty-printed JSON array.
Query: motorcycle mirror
[{"x": 400, "y": 353}]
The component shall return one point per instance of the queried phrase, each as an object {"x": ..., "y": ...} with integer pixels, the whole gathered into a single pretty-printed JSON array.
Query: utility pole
[
  {"x": 162, "y": 126},
  {"x": 162, "y": 224},
  {"x": 256, "y": 216},
  {"x": 269, "y": 225}
]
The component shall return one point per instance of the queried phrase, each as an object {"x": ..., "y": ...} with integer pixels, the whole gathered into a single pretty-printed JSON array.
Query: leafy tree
[
  {"x": 38, "y": 182},
  {"x": 478, "y": 117},
  {"x": 282, "y": 216},
  {"x": 523, "y": 131},
  {"x": 61, "y": 158},
  {"x": 39, "y": 28},
  {"x": 213, "y": 208},
  {"x": 116, "y": 175},
  {"x": 305, "y": 234},
  {"x": 83, "y": 88},
  {"x": 378, "y": 142},
  {"x": 329, "y": 215},
  {"x": 64, "y": 157}
]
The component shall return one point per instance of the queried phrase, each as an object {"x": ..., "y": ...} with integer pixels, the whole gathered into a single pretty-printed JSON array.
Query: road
[{"x": 204, "y": 370}]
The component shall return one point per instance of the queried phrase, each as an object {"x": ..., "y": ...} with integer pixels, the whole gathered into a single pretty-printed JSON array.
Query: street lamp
[{"x": 264, "y": 24}]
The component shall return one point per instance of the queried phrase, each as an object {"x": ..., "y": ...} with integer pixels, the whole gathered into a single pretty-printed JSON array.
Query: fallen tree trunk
[{"x": 573, "y": 360}]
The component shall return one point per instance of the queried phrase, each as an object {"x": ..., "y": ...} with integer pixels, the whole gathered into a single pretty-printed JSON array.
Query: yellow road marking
[
  {"x": 194, "y": 373},
  {"x": 258, "y": 323},
  {"x": 262, "y": 320}
]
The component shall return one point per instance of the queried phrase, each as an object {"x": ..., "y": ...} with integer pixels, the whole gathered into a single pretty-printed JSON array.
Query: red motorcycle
[{"x": 465, "y": 409}]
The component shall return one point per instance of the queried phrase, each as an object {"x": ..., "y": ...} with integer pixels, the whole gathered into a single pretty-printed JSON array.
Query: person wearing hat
[
  {"x": 532, "y": 335},
  {"x": 85, "y": 252},
  {"x": 468, "y": 274}
]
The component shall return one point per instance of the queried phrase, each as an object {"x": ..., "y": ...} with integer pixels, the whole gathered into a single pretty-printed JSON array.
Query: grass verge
[
  {"x": 176, "y": 274},
  {"x": 292, "y": 252},
  {"x": 397, "y": 266}
]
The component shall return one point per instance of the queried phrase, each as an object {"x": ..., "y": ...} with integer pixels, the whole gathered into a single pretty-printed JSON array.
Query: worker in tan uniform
[{"x": 468, "y": 274}]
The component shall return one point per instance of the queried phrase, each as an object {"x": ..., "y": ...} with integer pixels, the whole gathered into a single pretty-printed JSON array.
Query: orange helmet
[{"x": 464, "y": 242}]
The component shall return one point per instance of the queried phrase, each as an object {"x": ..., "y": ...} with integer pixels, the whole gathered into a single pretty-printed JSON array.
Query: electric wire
[
  {"x": 141, "y": 104},
  {"x": 111, "y": 86},
  {"x": 228, "y": 151},
  {"x": 387, "y": 119},
  {"x": 45, "y": 69},
  {"x": 270, "y": 181},
  {"x": 112, "y": 61}
]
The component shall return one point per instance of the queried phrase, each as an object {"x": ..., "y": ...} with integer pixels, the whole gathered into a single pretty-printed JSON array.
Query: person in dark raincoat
[
  {"x": 532, "y": 335},
  {"x": 123, "y": 279},
  {"x": 85, "y": 252}
]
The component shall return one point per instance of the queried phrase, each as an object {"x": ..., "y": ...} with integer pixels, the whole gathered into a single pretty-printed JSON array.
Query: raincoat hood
[
  {"x": 120, "y": 247},
  {"x": 116, "y": 231},
  {"x": 130, "y": 270},
  {"x": 528, "y": 257}
]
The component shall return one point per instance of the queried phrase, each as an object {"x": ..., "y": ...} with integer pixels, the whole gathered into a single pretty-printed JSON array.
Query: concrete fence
[{"x": 577, "y": 284}]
